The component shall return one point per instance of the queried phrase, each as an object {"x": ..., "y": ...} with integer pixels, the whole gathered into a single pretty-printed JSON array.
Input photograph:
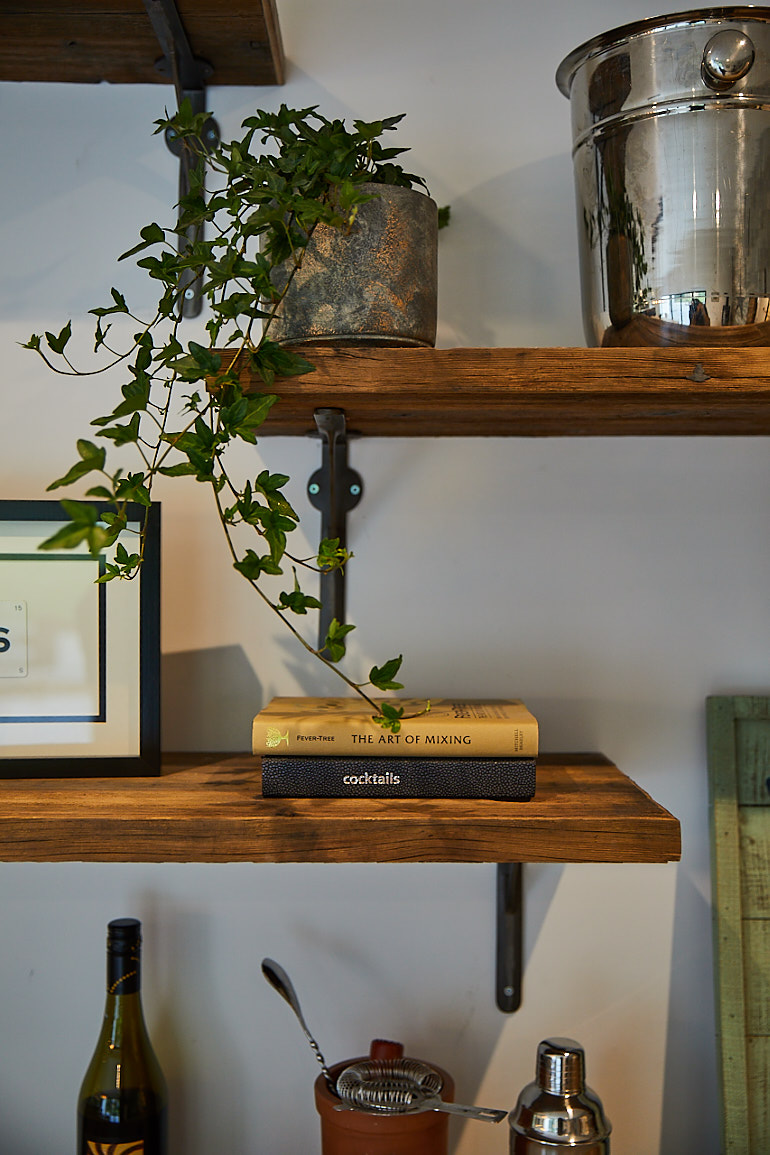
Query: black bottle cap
[{"x": 124, "y": 934}]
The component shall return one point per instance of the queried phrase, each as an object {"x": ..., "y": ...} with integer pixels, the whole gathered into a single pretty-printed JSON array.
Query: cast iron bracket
[
  {"x": 189, "y": 76},
  {"x": 510, "y": 936},
  {"x": 334, "y": 489}
]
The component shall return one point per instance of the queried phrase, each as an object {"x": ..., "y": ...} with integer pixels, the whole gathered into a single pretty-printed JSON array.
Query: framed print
[{"x": 79, "y": 659}]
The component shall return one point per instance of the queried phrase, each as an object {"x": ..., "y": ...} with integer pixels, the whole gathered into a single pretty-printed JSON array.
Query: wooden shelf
[
  {"x": 529, "y": 392},
  {"x": 88, "y": 41},
  {"x": 209, "y": 808}
]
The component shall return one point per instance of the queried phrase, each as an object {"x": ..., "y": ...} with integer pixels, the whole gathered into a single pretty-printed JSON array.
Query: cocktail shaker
[{"x": 558, "y": 1110}]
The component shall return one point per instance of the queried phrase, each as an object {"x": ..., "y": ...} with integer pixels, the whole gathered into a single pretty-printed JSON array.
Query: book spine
[
  {"x": 345, "y": 739},
  {"x": 506, "y": 779}
]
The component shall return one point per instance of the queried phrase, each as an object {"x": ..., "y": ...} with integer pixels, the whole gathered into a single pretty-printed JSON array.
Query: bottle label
[{"x": 132, "y": 1148}]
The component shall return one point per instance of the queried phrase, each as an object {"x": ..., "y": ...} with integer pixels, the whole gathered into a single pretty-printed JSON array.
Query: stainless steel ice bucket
[{"x": 671, "y": 149}]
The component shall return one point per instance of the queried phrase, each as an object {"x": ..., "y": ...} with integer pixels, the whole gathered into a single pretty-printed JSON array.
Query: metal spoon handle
[
  {"x": 280, "y": 981},
  {"x": 489, "y": 1114},
  {"x": 417, "y": 1103}
]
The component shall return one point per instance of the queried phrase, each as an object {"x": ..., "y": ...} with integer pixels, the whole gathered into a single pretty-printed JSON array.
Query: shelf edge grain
[
  {"x": 209, "y": 808},
  {"x": 527, "y": 392}
]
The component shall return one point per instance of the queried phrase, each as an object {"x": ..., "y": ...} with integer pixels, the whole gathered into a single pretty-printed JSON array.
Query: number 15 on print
[{"x": 13, "y": 639}]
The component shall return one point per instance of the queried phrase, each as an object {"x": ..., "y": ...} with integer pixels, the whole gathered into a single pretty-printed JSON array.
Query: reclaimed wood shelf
[
  {"x": 528, "y": 392},
  {"x": 89, "y": 41},
  {"x": 209, "y": 808}
]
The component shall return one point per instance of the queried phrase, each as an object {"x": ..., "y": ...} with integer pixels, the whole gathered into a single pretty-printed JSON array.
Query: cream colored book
[{"x": 452, "y": 727}]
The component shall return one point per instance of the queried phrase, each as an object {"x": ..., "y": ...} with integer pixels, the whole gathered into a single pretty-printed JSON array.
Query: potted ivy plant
[{"x": 182, "y": 407}]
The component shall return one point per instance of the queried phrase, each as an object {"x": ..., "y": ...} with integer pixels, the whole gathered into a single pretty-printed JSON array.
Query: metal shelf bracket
[
  {"x": 189, "y": 75},
  {"x": 334, "y": 489},
  {"x": 510, "y": 936}
]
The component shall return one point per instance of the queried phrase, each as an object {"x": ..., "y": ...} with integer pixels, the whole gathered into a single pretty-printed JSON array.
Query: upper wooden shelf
[
  {"x": 528, "y": 392},
  {"x": 209, "y": 808},
  {"x": 88, "y": 41}
]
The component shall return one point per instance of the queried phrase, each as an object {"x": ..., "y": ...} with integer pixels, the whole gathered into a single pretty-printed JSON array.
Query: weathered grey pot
[{"x": 377, "y": 284}]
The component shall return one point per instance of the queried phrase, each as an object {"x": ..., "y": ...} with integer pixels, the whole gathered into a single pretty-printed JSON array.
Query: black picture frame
[{"x": 108, "y": 724}]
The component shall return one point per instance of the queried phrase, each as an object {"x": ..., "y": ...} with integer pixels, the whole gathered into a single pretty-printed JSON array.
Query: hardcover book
[
  {"x": 502, "y": 728},
  {"x": 308, "y": 776}
]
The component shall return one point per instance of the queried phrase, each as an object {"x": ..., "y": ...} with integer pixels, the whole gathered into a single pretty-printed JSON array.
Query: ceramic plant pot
[{"x": 375, "y": 285}]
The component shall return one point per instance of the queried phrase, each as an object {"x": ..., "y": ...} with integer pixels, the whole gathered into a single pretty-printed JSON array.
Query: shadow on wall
[
  {"x": 508, "y": 264},
  {"x": 684, "y": 1079},
  {"x": 208, "y": 700},
  {"x": 200, "y": 1002}
]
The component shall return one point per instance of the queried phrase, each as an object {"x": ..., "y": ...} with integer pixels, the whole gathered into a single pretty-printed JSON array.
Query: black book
[{"x": 320, "y": 776}]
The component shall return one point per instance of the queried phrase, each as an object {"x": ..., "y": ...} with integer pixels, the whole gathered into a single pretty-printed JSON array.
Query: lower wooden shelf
[{"x": 209, "y": 808}]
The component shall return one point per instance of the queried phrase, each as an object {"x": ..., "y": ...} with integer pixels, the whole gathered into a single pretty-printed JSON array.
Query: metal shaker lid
[
  {"x": 561, "y": 1066},
  {"x": 558, "y": 1108}
]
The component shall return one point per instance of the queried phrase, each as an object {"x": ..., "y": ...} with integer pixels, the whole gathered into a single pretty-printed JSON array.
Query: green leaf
[
  {"x": 251, "y": 565},
  {"x": 123, "y": 434},
  {"x": 119, "y": 306},
  {"x": 136, "y": 398},
  {"x": 181, "y": 469},
  {"x": 68, "y": 537},
  {"x": 270, "y": 360},
  {"x": 209, "y": 361},
  {"x": 246, "y": 414},
  {"x": 296, "y": 601},
  {"x": 125, "y": 565},
  {"x": 85, "y": 527},
  {"x": 133, "y": 488},
  {"x": 383, "y": 676},
  {"x": 331, "y": 555},
  {"x": 151, "y": 235},
  {"x": 335, "y": 643},
  {"x": 390, "y": 717},
  {"x": 269, "y": 485},
  {"x": 267, "y": 482},
  {"x": 92, "y": 457},
  {"x": 59, "y": 343}
]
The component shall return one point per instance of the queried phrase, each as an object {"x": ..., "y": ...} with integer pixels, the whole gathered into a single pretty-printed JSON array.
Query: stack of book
[{"x": 333, "y": 748}]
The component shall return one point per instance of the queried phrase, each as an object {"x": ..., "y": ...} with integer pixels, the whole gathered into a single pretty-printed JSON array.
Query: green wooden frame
[{"x": 738, "y": 730}]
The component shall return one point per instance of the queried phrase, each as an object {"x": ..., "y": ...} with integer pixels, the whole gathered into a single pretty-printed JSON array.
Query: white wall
[{"x": 613, "y": 584}]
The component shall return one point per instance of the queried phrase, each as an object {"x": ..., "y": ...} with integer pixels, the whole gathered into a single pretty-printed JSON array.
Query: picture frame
[{"x": 79, "y": 659}]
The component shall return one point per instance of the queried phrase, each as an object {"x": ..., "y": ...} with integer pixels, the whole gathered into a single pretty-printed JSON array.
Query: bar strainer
[{"x": 401, "y": 1087}]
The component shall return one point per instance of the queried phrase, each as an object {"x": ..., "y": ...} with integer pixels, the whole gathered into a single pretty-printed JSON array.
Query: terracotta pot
[{"x": 374, "y": 1133}]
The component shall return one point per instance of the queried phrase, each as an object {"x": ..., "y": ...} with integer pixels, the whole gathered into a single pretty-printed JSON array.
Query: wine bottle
[{"x": 122, "y": 1107}]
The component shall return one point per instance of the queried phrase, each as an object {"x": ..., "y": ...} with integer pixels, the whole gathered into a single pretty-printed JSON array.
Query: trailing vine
[{"x": 182, "y": 407}]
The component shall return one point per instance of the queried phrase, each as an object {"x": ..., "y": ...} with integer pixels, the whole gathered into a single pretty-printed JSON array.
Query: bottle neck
[
  {"x": 123, "y": 1013},
  {"x": 123, "y": 972}
]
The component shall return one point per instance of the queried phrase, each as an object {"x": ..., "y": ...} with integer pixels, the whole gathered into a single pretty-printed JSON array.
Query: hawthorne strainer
[{"x": 401, "y": 1087}]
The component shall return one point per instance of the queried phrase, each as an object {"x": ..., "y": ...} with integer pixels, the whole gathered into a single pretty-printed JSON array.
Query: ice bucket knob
[{"x": 727, "y": 58}]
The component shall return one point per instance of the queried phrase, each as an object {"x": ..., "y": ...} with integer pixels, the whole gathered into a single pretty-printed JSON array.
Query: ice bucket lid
[{"x": 656, "y": 47}]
